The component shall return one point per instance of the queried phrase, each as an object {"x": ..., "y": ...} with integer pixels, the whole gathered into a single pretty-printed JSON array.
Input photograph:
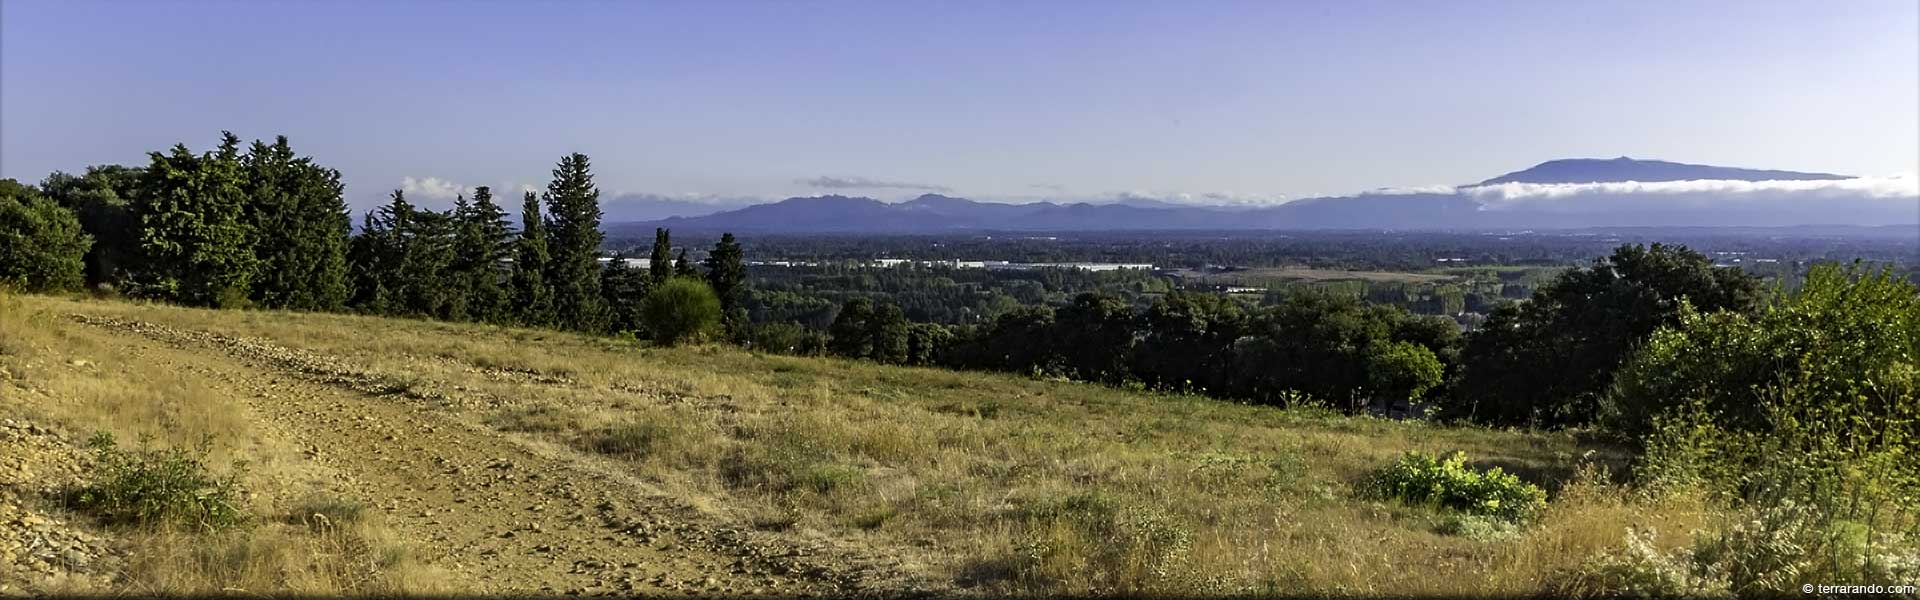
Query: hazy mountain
[
  {"x": 653, "y": 207},
  {"x": 1596, "y": 170},
  {"x": 1619, "y": 192}
]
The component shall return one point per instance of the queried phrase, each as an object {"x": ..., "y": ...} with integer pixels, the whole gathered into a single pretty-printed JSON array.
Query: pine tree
[
  {"x": 532, "y": 297},
  {"x": 683, "y": 267},
  {"x": 624, "y": 290},
  {"x": 370, "y": 257},
  {"x": 727, "y": 275},
  {"x": 660, "y": 262},
  {"x": 573, "y": 214},
  {"x": 482, "y": 243},
  {"x": 196, "y": 245}
]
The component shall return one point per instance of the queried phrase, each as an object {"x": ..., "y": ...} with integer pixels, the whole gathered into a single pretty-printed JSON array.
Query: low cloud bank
[{"x": 1865, "y": 200}]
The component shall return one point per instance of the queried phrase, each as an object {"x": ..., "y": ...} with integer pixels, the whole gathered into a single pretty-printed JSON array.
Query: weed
[
  {"x": 159, "y": 487},
  {"x": 1421, "y": 478}
]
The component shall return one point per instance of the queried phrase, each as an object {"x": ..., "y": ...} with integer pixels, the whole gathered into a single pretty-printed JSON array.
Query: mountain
[
  {"x": 1666, "y": 194},
  {"x": 1599, "y": 170},
  {"x": 652, "y": 207}
]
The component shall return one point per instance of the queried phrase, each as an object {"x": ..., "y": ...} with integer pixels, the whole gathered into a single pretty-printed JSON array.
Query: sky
[{"x": 1213, "y": 101}]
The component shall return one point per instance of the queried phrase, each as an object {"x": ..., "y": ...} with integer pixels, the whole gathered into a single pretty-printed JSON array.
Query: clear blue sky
[{"x": 987, "y": 99}]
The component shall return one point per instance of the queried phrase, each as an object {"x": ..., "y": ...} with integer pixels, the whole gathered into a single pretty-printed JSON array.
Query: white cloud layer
[
  {"x": 431, "y": 187},
  {"x": 1901, "y": 191}
]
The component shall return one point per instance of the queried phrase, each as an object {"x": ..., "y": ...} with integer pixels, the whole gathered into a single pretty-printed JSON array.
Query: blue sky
[{"x": 1003, "y": 100}]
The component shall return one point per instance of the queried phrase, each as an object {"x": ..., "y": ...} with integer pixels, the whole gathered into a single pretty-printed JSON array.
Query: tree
[
  {"x": 532, "y": 297},
  {"x": 102, "y": 199},
  {"x": 683, "y": 267},
  {"x": 660, "y": 261},
  {"x": 625, "y": 290},
  {"x": 681, "y": 310},
  {"x": 1547, "y": 361},
  {"x": 300, "y": 228},
  {"x": 849, "y": 336},
  {"x": 482, "y": 244},
  {"x": 1402, "y": 371},
  {"x": 195, "y": 243},
  {"x": 42, "y": 247},
  {"x": 573, "y": 224},
  {"x": 727, "y": 275},
  {"x": 1095, "y": 336},
  {"x": 1188, "y": 342},
  {"x": 926, "y": 342},
  {"x": 888, "y": 334}
]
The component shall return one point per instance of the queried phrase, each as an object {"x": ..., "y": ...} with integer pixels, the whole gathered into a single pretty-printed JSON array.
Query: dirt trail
[{"x": 498, "y": 512}]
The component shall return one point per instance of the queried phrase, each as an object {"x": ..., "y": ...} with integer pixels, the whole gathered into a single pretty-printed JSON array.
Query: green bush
[
  {"x": 681, "y": 310},
  {"x": 788, "y": 338},
  {"x": 42, "y": 247},
  {"x": 1421, "y": 478},
  {"x": 159, "y": 487}
]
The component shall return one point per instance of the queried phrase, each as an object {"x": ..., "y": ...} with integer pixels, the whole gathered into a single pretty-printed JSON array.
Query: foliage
[
  {"x": 42, "y": 246},
  {"x": 481, "y": 242},
  {"x": 1547, "y": 361},
  {"x": 681, "y": 310},
  {"x": 877, "y": 332},
  {"x": 788, "y": 338},
  {"x": 196, "y": 245},
  {"x": 159, "y": 487},
  {"x": 727, "y": 274},
  {"x": 532, "y": 296},
  {"x": 1422, "y": 478},
  {"x": 299, "y": 222},
  {"x": 102, "y": 198},
  {"x": 624, "y": 291},
  {"x": 573, "y": 229},
  {"x": 1402, "y": 370}
]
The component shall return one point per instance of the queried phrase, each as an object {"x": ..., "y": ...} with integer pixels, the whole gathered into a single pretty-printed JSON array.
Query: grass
[
  {"x": 1007, "y": 484},
  {"x": 173, "y": 519}
]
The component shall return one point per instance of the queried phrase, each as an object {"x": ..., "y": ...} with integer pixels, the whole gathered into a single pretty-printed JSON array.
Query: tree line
[{"x": 270, "y": 229}]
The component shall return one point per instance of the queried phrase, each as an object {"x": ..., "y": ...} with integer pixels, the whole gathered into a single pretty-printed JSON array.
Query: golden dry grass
[
  {"x": 1010, "y": 484},
  {"x": 56, "y": 373}
]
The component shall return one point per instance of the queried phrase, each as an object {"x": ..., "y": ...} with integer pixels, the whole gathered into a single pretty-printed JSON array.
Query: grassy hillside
[{"x": 968, "y": 481}]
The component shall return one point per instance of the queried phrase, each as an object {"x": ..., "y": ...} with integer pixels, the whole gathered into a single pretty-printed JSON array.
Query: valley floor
[{"x": 408, "y": 456}]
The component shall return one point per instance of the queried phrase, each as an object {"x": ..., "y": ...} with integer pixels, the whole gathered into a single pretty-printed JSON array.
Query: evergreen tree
[
  {"x": 532, "y": 297},
  {"x": 482, "y": 244},
  {"x": 727, "y": 275},
  {"x": 625, "y": 290},
  {"x": 849, "y": 335},
  {"x": 573, "y": 222},
  {"x": 196, "y": 245},
  {"x": 660, "y": 262},
  {"x": 371, "y": 257},
  {"x": 427, "y": 277},
  {"x": 300, "y": 225},
  {"x": 683, "y": 267}
]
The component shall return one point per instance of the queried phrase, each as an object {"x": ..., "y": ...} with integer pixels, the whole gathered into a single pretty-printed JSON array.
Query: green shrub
[
  {"x": 1421, "y": 478},
  {"x": 158, "y": 487},
  {"x": 681, "y": 310},
  {"x": 42, "y": 247}
]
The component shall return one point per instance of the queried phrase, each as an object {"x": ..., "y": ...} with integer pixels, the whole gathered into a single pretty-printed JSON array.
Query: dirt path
[{"x": 500, "y": 513}]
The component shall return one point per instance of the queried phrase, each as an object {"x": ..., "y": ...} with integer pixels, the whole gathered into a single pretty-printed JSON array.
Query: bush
[
  {"x": 681, "y": 310},
  {"x": 1421, "y": 478},
  {"x": 788, "y": 338},
  {"x": 158, "y": 487},
  {"x": 42, "y": 247}
]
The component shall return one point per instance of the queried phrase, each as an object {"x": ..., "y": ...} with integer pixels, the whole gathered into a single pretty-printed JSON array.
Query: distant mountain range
[{"x": 1571, "y": 193}]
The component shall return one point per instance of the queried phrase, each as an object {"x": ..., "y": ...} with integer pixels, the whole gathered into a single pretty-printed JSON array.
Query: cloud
[
  {"x": 431, "y": 187},
  {"x": 1051, "y": 187},
  {"x": 1221, "y": 199},
  {"x": 847, "y": 183},
  {"x": 1403, "y": 191},
  {"x": 1698, "y": 193}
]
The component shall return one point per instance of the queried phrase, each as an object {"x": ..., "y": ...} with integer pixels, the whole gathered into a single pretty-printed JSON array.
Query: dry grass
[
  {"x": 55, "y": 373},
  {"x": 1010, "y": 484}
]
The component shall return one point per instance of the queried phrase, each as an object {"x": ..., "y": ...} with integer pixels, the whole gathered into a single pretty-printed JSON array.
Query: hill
[
  {"x": 475, "y": 459},
  {"x": 1488, "y": 205}
]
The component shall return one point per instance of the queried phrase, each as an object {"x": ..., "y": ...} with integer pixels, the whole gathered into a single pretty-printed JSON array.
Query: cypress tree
[
  {"x": 532, "y": 297},
  {"x": 727, "y": 275},
  {"x": 300, "y": 225},
  {"x": 195, "y": 243},
  {"x": 660, "y": 262},
  {"x": 683, "y": 267},
  {"x": 573, "y": 220},
  {"x": 624, "y": 290}
]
